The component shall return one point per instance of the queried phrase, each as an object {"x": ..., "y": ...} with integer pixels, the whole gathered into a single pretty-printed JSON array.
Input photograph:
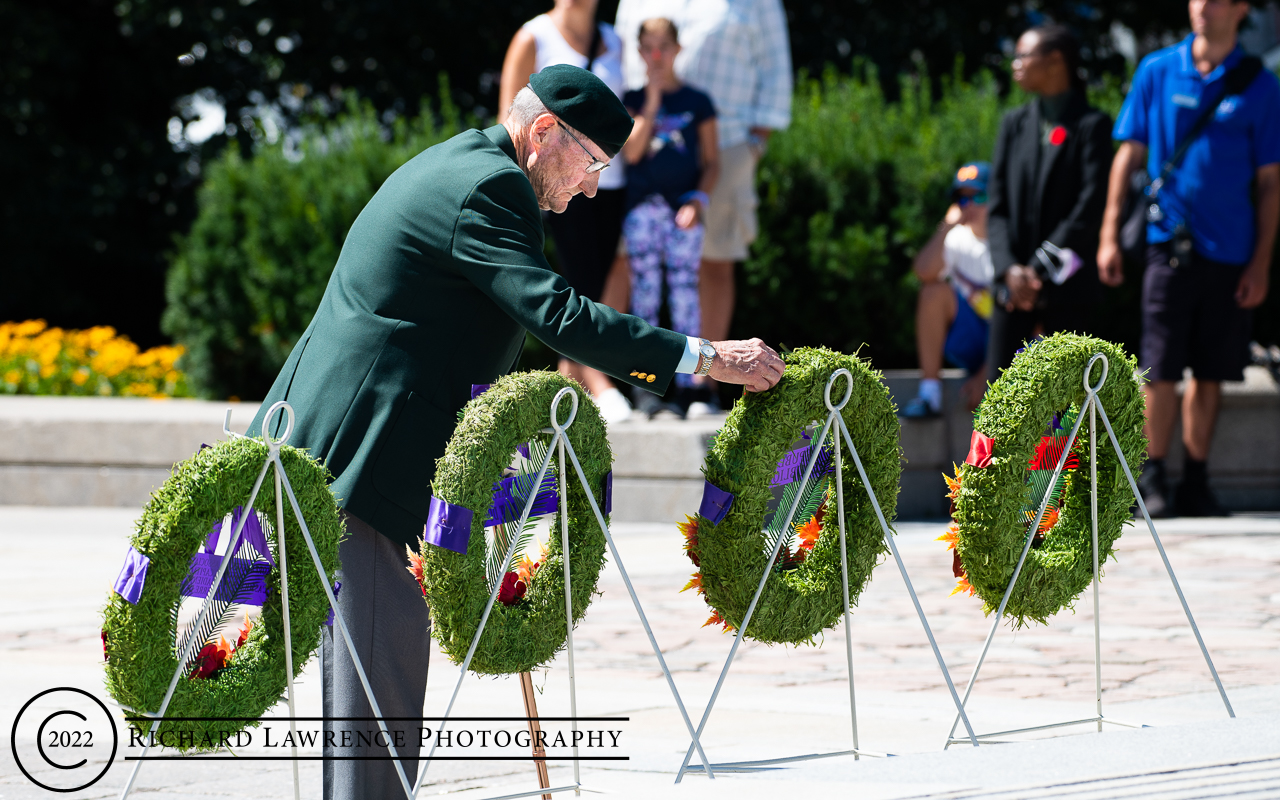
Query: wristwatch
[{"x": 708, "y": 356}]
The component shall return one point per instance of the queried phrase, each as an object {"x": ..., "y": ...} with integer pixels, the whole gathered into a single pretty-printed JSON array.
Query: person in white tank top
[{"x": 586, "y": 235}]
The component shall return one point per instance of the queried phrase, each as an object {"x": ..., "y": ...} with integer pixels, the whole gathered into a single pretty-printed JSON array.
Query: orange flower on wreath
[
  {"x": 962, "y": 585},
  {"x": 695, "y": 583},
  {"x": 689, "y": 528},
  {"x": 808, "y": 534},
  {"x": 717, "y": 619},
  {"x": 415, "y": 567}
]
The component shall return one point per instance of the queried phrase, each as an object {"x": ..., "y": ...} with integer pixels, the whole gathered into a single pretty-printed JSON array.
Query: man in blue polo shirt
[{"x": 1209, "y": 250}]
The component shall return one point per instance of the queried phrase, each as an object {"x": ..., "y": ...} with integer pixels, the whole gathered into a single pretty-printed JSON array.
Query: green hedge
[{"x": 246, "y": 280}]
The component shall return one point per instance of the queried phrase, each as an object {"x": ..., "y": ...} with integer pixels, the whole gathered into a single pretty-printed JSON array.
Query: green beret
[{"x": 584, "y": 103}]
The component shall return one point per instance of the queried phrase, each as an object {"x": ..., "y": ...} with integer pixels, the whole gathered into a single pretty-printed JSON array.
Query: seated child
[
  {"x": 672, "y": 165},
  {"x": 955, "y": 301}
]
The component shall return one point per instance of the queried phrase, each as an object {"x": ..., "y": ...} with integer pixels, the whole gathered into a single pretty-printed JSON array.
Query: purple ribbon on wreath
[
  {"x": 716, "y": 502},
  {"x": 791, "y": 467},
  {"x": 249, "y": 586},
  {"x": 252, "y": 587},
  {"x": 133, "y": 576},
  {"x": 509, "y": 498}
]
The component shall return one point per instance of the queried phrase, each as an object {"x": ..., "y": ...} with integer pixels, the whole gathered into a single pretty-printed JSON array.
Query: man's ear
[
  {"x": 539, "y": 136},
  {"x": 541, "y": 129}
]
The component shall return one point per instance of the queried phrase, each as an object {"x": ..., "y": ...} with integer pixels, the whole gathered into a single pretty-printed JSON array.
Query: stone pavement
[{"x": 56, "y": 565}]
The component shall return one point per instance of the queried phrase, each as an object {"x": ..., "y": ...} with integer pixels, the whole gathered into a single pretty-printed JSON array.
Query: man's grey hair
[{"x": 526, "y": 108}]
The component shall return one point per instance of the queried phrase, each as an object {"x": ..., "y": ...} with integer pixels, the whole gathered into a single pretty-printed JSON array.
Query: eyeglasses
[
  {"x": 963, "y": 200},
  {"x": 596, "y": 164}
]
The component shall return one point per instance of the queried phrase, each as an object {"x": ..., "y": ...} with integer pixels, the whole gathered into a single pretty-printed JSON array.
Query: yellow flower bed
[{"x": 37, "y": 359}]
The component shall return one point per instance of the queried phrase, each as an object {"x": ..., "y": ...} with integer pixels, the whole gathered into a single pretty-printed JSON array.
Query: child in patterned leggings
[{"x": 672, "y": 164}]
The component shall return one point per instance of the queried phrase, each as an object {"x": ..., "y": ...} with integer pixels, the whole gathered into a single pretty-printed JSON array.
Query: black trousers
[
  {"x": 586, "y": 237},
  {"x": 382, "y": 605},
  {"x": 1190, "y": 318},
  {"x": 1065, "y": 308}
]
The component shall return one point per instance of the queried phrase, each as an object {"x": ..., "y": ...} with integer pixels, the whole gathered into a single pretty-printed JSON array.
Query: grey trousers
[{"x": 383, "y": 608}]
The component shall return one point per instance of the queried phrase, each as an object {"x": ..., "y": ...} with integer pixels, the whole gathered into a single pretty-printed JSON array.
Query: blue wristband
[{"x": 701, "y": 197}]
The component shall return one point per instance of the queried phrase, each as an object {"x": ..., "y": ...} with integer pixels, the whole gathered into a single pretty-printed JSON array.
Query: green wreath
[
  {"x": 804, "y": 597},
  {"x": 139, "y": 640},
  {"x": 522, "y": 632},
  {"x": 995, "y": 504}
]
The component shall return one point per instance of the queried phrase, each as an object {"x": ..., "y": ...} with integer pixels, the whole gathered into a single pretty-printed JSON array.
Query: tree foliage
[{"x": 247, "y": 279}]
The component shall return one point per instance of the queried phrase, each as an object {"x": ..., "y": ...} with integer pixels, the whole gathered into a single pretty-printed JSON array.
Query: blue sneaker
[{"x": 919, "y": 408}]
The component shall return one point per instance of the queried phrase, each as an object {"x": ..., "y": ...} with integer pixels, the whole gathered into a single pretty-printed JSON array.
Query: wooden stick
[{"x": 531, "y": 711}]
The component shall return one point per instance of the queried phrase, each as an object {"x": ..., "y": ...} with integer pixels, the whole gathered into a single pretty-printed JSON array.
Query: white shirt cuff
[{"x": 689, "y": 361}]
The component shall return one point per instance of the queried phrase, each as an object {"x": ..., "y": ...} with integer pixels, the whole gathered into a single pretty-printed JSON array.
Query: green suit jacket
[{"x": 439, "y": 278}]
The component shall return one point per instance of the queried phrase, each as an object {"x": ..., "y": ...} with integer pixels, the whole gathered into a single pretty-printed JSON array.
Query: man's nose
[{"x": 590, "y": 184}]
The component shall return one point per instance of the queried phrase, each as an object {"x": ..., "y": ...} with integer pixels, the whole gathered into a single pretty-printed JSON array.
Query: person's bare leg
[
  {"x": 1162, "y": 412},
  {"x": 974, "y": 388},
  {"x": 935, "y": 309},
  {"x": 715, "y": 293},
  {"x": 617, "y": 286},
  {"x": 1200, "y": 406},
  {"x": 595, "y": 380},
  {"x": 570, "y": 369}
]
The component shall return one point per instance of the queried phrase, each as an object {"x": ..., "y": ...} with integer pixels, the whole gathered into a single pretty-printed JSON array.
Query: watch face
[{"x": 708, "y": 351}]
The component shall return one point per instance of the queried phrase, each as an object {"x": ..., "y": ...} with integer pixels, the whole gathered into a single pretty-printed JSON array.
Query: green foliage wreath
[
  {"x": 527, "y": 633},
  {"x": 139, "y": 640},
  {"x": 1046, "y": 379},
  {"x": 803, "y": 598}
]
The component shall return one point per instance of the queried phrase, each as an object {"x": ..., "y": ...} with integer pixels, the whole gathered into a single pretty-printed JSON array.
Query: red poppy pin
[{"x": 1057, "y": 136}]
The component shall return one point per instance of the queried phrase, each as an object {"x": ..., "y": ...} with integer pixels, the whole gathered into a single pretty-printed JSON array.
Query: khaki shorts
[{"x": 731, "y": 219}]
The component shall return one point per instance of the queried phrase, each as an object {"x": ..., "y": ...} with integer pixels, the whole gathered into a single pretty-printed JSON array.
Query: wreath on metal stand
[
  {"x": 482, "y": 484},
  {"x": 1021, "y": 430},
  {"x": 464, "y": 575},
  {"x": 753, "y": 477},
  {"x": 227, "y": 669}
]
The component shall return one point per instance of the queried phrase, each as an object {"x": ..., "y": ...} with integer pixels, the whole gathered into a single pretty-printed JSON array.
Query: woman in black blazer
[{"x": 1047, "y": 193}]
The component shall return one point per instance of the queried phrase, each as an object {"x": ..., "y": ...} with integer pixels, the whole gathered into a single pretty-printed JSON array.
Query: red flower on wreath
[
  {"x": 211, "y": 658},
  {"x": 244, "y": 634},
  {"x": 1057, "y": 136},
  {"x": 512, "y": 590}
]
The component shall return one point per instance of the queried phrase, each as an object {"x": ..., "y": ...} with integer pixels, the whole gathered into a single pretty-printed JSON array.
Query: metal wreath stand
[
  {"x": 281, "y": 478},
  {"x": 559, "y": 444},
  {"x": 1094, "y": 406},
  {"x": 833, "y": 415}
]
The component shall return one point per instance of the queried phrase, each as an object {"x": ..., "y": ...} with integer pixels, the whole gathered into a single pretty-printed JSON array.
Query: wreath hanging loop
[
  {"x": 274, "y": 444},
  {"x": 848, "y": 392},
  {"x": 1093, "y": 390},
  {"x": 556, "y": 425}
]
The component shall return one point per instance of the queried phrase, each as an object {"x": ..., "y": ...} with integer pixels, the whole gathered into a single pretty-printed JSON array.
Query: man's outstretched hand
[{"x": 749, "y": 362}]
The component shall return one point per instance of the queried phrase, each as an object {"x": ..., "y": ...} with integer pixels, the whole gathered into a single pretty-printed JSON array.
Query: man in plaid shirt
[{"x": 737, "y": 51}]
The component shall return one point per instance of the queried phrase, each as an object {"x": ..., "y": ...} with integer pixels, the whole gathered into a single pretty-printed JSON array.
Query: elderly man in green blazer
[{"x": 438, "y": 280}]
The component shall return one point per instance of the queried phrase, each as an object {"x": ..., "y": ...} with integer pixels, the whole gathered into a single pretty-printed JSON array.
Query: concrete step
[{"x": 73, "y": 451}]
